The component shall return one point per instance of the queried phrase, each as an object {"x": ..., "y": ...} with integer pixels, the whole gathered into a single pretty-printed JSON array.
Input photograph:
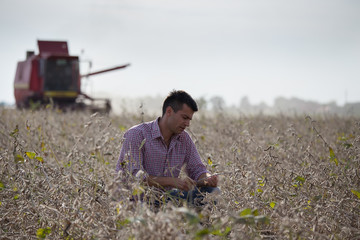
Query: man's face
[{"x": 179, "y": 120}]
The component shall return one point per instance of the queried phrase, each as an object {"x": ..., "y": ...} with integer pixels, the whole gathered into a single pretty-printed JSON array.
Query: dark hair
[{"x": 176, "y": 99}]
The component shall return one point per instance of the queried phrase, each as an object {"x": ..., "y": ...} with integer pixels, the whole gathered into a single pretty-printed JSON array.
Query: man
[{"x": 160, "y": 148}]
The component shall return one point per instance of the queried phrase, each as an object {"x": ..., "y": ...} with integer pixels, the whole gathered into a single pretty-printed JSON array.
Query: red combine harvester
[{"x": 54, "y": 76}]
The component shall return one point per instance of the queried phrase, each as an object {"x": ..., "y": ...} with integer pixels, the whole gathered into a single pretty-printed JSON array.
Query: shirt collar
[{"x": 155, "y": 131}]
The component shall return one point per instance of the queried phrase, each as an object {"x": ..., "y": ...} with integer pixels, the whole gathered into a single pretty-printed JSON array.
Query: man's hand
[
  {"x": 207, "y": 179},
  {"x": 185, "y": 184}
]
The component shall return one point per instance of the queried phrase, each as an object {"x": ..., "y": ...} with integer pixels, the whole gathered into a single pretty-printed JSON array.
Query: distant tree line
[
  {"x": 292, "y": 106},
  {"x": 217, "y": 104}
]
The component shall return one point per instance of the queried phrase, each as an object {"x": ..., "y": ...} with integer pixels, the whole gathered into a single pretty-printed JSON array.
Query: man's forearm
[
  {"x": 160, "y": 181},
  {"x": 185, "y": 184}
]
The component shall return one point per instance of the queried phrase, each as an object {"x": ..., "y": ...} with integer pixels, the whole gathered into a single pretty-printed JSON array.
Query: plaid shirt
[{"x": 144, "y": 149}]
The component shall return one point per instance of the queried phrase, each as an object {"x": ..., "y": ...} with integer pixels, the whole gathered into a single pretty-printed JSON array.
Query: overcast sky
[{"x": 262, "y": 49}]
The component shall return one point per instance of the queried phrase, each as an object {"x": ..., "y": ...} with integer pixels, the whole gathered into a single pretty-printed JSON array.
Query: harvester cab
[{"x": 54, "y": 76}]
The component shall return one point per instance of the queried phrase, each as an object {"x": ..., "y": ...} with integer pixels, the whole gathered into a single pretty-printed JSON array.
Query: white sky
[{"x": 262, "y": 49}]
